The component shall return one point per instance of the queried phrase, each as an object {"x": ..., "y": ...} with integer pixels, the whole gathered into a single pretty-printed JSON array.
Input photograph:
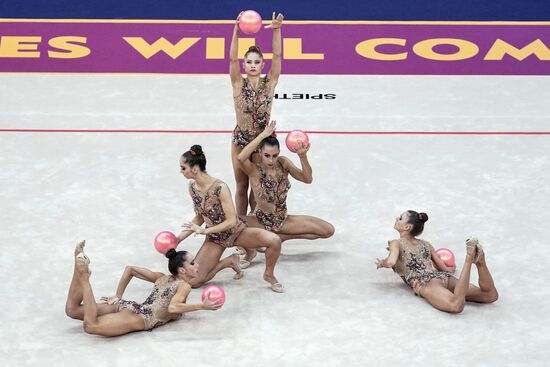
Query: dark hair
[
  {"x": 417, "y": 220},
  {"x": 195, "y": 156},
  {"x": 175, "y": 260},
  {"x": 254, "y": 49},
  {"x": 271, "y": 141}
]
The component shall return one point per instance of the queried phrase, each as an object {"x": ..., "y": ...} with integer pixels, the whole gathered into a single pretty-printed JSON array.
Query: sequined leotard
[
  {"x": 270, "y": 194},
  {"x": 210, "y": 207},
  {"x": 253, "y": 109},
  {"x": 415, "y": 262},
  {"x": 154, "y": 310}
]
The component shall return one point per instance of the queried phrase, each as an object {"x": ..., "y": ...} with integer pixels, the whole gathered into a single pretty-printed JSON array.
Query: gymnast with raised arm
[
  {"x": 253, "y": 98},
  {"x": 270, "y": 185}
]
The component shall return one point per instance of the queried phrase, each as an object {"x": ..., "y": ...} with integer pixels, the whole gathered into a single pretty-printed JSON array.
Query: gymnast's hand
[
  {"x": 269, "y": 129},
  {"x": 381, "y": 263},
  {"x": 276, "y": 22},
  {"x": 193, "y": 227},
  {"x": 238, "y": 18},
  {"x": 302, "y": 149},
  {"x": 209, "y": 305}
]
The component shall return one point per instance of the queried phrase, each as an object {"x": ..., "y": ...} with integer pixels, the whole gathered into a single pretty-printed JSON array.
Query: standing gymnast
[
  {"x": 253, "y": 97},
  {"x": 118, "y": 317},
  {"x": 213, "y": 205},
  {"x": 270, "y": 185},
  {"x": 416, "y": 262}
]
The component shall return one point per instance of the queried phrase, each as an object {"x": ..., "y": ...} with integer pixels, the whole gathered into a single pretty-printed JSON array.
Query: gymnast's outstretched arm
[
  {"x": 389, "y": 261},
  {"x": 276, "y": 23},
  {"x": 234, "y": 68},
  {"x": 198, "y": 220},
  {"x": 177, "y": 303},
  {"x": 138, "y": 272},
  {"x": 127, "y": 275}
]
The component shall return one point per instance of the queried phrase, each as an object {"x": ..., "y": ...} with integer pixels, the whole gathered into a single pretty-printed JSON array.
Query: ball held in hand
[
  {"x": 295, "y": 138},
  {"x": 215, "y": 294},
  {"x": 250, "y": 22}
]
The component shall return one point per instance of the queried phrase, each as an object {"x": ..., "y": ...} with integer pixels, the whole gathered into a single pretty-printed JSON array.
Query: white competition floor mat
[{"x": 117, "y": 185}]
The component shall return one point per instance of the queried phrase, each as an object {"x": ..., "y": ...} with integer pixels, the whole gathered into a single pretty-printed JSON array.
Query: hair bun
[
  {"x": 254, "y": 48},
  {"x": 196, "y": 150},
  {"x": 171, "y": 254},
  {"x": 423, "y": 217}
]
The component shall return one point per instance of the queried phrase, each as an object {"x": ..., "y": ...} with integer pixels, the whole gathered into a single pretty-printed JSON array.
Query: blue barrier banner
[{"x": 364, "y": 10}]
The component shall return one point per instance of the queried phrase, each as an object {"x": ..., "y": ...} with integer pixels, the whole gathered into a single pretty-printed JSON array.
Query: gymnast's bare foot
[
  {"x": 275, "y": 285},
  {"x": 480, "y": 257},
  {"x": 250, "y": 255},
  {"x": 79, "y": 247},
  {"x": 471, "y": 248},
  {"x": 235, "y": 265},
  {"x": 82, "y": 263}
]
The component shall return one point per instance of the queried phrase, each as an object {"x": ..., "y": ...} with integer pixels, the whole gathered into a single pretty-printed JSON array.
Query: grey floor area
[{"x": 117, "y": 190}]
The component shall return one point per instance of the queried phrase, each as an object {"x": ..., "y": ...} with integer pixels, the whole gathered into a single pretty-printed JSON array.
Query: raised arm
[
  {"x": 178, "y": 306},
  {"x": 229, "y": 211},
  {"x": 389, "y": 261},
  {"x": 234, "y": 68},
  {"x": 305, "y": 174},
  {"x": 276, "y": 23},
  {"x": 246, "y": 153}
]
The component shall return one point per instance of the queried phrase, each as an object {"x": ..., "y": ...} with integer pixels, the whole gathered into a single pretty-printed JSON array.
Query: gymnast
[
  {"x": 270, "y": 185},
  {"x": 166, "y": 302},
  {"x": 252, "y": 97},
  {"x": 213, "y": 204},
  {"x": 416, "y": 262}
]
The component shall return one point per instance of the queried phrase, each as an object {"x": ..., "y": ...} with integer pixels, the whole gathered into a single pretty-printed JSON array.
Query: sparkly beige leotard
[
  {"x": 415, "y": 262},
  {"x": 209, "y": 206},
  {"x": 154, "y": 310},
  {"x": 253, "y": 109},
  {"x": 270, "y": 193}
]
